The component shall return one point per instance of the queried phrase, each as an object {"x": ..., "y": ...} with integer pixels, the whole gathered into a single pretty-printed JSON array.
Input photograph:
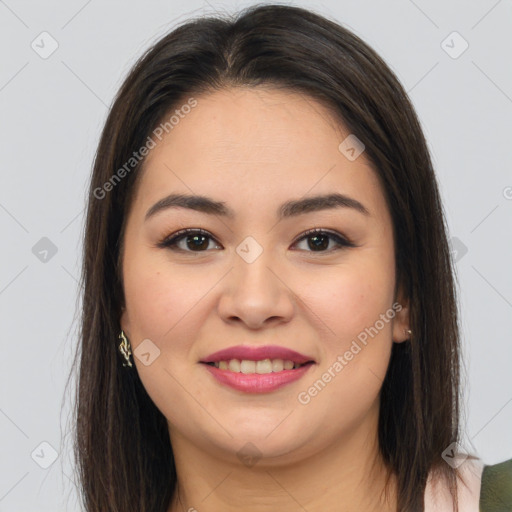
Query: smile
[
  {"x": 257, "y": 369},
  {"x": 261, "y": 367}
]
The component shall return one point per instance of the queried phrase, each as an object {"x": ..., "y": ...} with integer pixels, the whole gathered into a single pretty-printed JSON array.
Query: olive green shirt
[{"x": 496, "y": 488}]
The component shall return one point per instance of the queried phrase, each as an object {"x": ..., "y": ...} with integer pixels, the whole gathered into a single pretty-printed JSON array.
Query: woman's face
[{"x": 252, "y": 278}]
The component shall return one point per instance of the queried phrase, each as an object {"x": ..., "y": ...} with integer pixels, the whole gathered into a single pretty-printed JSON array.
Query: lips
[
  {"x": 244, "y": 352},
  {"x": 257, "y": 369},
  {"x": 255, "y": 383}
]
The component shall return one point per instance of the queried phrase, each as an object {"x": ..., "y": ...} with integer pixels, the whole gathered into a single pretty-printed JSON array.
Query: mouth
[
  {"x": 260, "y": 367},
  {"x": 257, "y": 375},
  {"x": 260, "y": 360}
]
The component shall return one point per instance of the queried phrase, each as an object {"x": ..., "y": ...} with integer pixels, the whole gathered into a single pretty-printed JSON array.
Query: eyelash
[{"x": 171, "y": 241}]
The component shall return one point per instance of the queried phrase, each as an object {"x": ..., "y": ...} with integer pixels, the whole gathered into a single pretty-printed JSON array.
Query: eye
[
  {"x": 198, "y": 240},
  {"x": 195, "y": 240},
  {"x": 318, "y": 240}
]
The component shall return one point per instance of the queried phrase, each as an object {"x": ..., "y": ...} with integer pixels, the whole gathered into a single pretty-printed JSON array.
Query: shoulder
[
  {"x": 437, "y": 497},
  {"x": 496, "y": 492},
  {"x": 484, "y": 488}
]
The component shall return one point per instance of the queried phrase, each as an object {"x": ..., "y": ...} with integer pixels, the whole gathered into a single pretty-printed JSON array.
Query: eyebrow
[{"x": 288, "y": 209}]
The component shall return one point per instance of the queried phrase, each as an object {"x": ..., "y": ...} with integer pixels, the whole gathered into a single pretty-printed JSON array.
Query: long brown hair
[{"x": 122, "y": 446}]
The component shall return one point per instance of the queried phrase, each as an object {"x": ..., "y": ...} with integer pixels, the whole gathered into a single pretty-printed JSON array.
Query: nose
[{"x": 256, "y": 295}]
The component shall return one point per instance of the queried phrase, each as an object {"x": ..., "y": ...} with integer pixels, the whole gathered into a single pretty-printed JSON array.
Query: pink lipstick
[{"x": 257, "y": 369}]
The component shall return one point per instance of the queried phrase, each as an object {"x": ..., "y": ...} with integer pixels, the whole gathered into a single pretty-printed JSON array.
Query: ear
[{"x": 401, "y": 321}]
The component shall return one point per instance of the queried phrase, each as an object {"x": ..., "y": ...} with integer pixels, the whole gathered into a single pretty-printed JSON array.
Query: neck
[{"x": 347, "y": 475}]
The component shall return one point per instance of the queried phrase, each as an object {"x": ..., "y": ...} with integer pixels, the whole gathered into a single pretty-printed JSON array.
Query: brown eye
[
  {"x": 318, "y": 240},
  {"x": 188, "y": 240},
  {"x": 197, "y": 242}
]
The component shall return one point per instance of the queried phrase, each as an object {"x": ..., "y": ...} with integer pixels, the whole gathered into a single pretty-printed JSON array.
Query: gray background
[{"x": 52, "y": 111}]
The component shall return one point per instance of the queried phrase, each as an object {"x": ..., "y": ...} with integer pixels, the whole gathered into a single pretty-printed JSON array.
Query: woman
[{"x": 269, "y": 314}]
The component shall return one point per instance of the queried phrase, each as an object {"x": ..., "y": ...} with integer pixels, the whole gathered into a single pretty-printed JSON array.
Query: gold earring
[{"x": 124, "y": 348}]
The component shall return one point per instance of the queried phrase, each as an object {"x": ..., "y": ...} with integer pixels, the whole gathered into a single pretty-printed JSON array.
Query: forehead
[
  {"x": 258, "y": 123},
  {"x": 260, "y": 142}
]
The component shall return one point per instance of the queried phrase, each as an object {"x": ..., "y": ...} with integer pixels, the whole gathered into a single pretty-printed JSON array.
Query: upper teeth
[{"x": 263, "y": 366}]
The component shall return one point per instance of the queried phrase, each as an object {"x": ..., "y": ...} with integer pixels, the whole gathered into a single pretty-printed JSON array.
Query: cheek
[
  {"x": 350, "y": 298},
  {"x": 161, "y": 296},
  {"x": 355, "y": 350},
  {"x": 164, "y": 306}
]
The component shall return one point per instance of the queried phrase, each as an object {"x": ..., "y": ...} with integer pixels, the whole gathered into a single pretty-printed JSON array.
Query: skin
[{"x": 255, "y": 148}]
